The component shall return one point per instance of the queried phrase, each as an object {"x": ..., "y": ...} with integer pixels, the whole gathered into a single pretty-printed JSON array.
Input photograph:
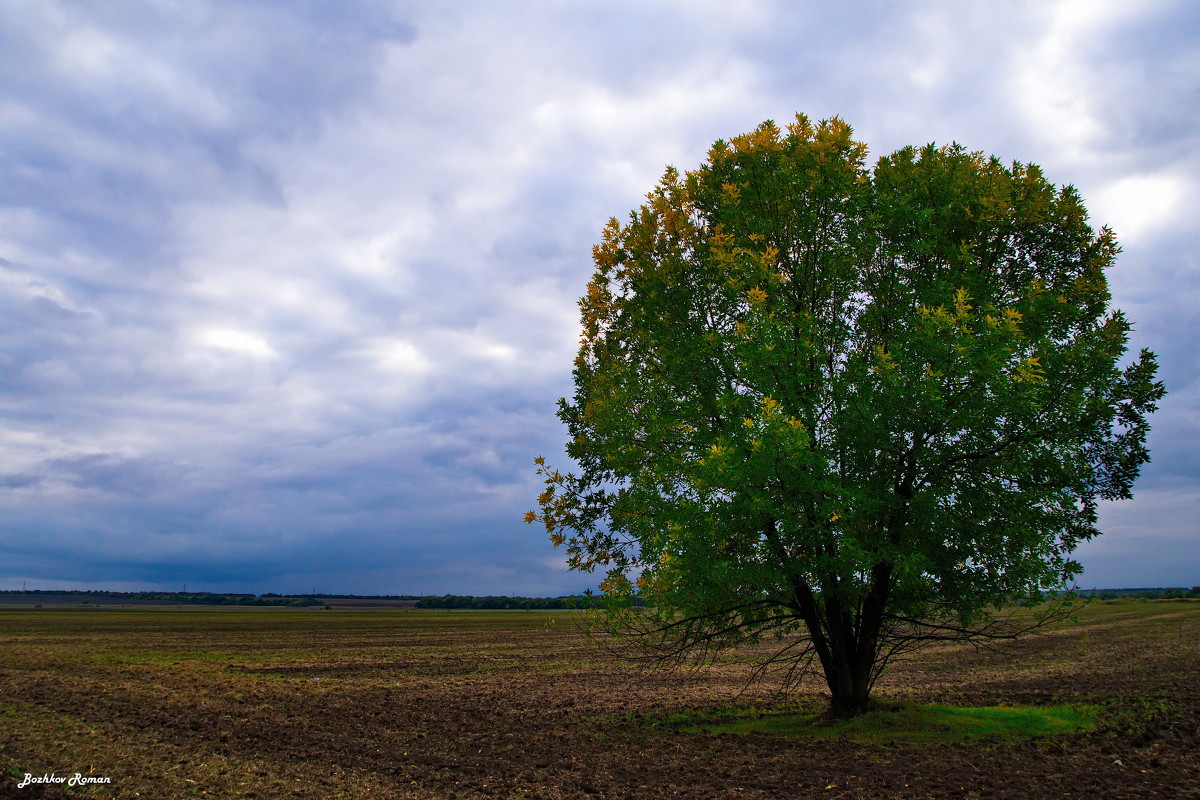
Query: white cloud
[
  {"x": 21, "y": 283},
  {"x": 237, "y": 342},
  {"x": 1059, "y": 83},
  {"x": 396, "y": 358},
  {"x": 1136, "y": 206},
  {"x": 96, "y": 61}
]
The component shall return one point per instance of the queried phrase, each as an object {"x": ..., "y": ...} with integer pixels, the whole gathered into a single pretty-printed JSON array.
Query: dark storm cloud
[{"x": 287, "y": 291}]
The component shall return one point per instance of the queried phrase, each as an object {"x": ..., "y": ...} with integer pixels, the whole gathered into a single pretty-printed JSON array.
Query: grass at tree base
[{"x": 900, "y": 723}]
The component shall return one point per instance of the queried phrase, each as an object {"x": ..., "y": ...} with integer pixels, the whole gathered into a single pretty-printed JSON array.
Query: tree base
[{"x": 840, "y": 712}]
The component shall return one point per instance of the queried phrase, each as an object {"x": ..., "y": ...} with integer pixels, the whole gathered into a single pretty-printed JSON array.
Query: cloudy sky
[{"x": 287, "y": 289}]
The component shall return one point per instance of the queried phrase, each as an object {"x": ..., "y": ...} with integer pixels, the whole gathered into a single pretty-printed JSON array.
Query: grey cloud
[
  {"x": 289, "y": 289},
  {"x": 20, "y": 481},
  {"x": 109, "y": 473},
  {"x": 116, "y": 111}
]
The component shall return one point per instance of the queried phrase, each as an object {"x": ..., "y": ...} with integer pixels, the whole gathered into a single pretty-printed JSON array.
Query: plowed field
[{"x": 182, "y": 704}]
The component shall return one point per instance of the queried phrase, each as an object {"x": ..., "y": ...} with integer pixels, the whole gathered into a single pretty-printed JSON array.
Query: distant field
[{"x": 354, "y": 703}]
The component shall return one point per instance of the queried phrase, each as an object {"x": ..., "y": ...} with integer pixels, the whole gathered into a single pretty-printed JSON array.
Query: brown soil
[{"x": 361, "y": 704}]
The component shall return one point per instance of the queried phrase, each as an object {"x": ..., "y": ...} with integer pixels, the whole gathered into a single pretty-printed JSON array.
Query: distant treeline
[
  {"x": 87, "y": 597},
  {"x": 161, "y": 598},
  {"x": 584, "y": 601},
  {"x": 1144, "y": 594},
  {"x": 349, "y": 596},
  {"x": 526, "y": 603}
]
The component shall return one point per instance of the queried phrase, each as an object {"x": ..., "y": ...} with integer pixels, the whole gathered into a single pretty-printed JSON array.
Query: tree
[{"x": 857, "y": 409}]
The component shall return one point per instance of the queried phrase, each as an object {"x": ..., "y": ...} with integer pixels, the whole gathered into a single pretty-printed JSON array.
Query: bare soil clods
[{"x": 382, "y": 704}]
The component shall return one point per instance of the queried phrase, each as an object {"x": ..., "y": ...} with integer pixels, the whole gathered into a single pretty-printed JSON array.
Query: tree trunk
[
  {"x": 850, "y": 653},
  {"x": 851, "y": 693},
  {"x": 848, "y": 672}
]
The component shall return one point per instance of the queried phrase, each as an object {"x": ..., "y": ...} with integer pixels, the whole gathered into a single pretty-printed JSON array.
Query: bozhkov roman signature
[{"x": 78, "y": 779}]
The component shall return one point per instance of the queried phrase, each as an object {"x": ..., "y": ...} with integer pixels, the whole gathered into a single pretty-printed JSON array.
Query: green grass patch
[{"x": 901, "y": 723}]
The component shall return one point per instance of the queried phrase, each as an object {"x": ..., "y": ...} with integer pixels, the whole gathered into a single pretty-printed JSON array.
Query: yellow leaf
[{"x": 960, "y": 303}]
